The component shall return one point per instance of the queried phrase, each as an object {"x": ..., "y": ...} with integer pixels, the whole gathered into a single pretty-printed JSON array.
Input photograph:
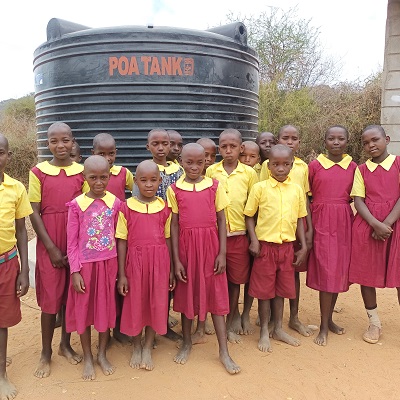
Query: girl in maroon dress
[
  {"x": 331, "y": 178},
  {"x": 198, "y": 234}
]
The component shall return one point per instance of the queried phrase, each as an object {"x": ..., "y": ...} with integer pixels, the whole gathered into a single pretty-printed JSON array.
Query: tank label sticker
[{"x": 151, "y": 65}]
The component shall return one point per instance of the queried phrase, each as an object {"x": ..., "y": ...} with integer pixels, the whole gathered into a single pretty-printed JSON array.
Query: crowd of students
[{"x": 192, "y": 233}]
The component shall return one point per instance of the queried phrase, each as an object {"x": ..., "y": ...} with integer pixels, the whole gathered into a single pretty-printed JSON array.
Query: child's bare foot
[
  {"x": 7, "y": 389},
  {"x": 247, "y": 328},
  {"x": 183, "y": 354},
  {"x": 209, "y": 329},
  {"x": 136, "y": 358},
  {"x": 43, "y": 368},
  {"x": 322, "y": 338},
  {"x": 372, "y": 334},
  {"x": 172, "y": 321},
  {"x": 336, "y": 328},
  {"x": 105, "y": 365},
  {"x": 264, "y": 344},
  {"x": 236, "y": 325},
  {"x": 296, "y": 325},
  {"x": 147, "y": 361},
  {"x": 172, "y": 335},
  {"x": 121, "y": 337},
  {"x": 8, "y": 361},
  {"x": 155, "y": 343},
  {"x": 271, "y": 327},
  {"x": 198, "y": 338},
  {"x": 233, "y": 337},
  {"x": 280, "y": 334},
  {"x": 68, "y": 352},
  {"x": 88, "y": 373},
  {"x": 229, "y": 364}
]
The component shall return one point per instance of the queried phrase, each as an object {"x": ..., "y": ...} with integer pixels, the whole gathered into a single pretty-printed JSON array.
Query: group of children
[{"x": 194, "y": 231}]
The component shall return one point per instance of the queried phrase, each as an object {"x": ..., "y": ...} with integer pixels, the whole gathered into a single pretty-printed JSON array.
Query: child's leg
[
  {"x": 172, "y": 335},
  {"x": 332, "y": 326},
  {"x": 234, "y": 290},
  {"x": 374, "y": 329},
  {"x": 117, "y": 335},
  {"x": 248, "y": 302},
  {"x": 88, "y": 365},
  {"x": 136, "y": 359},
  {"x": 65, "y": 348},
  {"x": 294, "y": 321},
  {"x": 7, "y": 389},
  {"x": 278, "y": 333},
  {"x": 47, "y": 324},
  {"x": 263, "y": 311},
  {"x": 186, "y": 347},
  {"x": 398, "y": 298},
  {"x": 102, "y": 360},
  {"x": 225, "y": 358},
  {"x": 147, "y": 361}
]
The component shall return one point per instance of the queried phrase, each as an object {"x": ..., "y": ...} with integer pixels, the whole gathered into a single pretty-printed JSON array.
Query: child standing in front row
[
  {"x": 51, "y": 185},
  {"x": 14, "y": 279},
  {"x": 375, "y": 255},
  {"x": 92, "y": 256},
  {"x": 280, "y": 204},
  {"x": 198, "y": 234},
  {"x": 145, "y": 273},
  {"x": 332, "y": 217}
]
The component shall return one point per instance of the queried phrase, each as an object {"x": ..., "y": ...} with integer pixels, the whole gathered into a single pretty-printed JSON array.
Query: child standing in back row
[
  {"x": 251, "y": 156},
  {"x": 210, "y": 152},
  {"x": 51, "y": 185},
  {"x": 265, "y": 141},
  {"x": 176, "y": 144}
]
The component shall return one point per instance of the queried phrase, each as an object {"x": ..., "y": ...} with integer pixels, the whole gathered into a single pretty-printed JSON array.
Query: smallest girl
[{"x": 92, "y": 255}]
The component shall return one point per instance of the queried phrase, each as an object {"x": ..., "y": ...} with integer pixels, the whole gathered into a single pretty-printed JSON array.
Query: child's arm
[
  {"x": 180, "y": 272},
  {"x": 122, "y": 281},
  {"x": 254, "y": 247},
  {"x": 57, "y": 258},
  {"x": 220, "y": 261},
  {"x": 394, "y": 215},
  {"x": 300, "y": 234},
  {"x": 172, "y": 281},
  {"x": 22, "y": 285}
]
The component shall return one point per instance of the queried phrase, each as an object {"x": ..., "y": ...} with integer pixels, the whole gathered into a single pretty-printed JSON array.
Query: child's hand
[
  {"x": 382, "y": 231},
  {"x": 180, "y": 272},
  {"x": 77, "y": 282},
  {"x": 122, "y": 285},
  {"x": 220, "y": 264},
  {"x": 172, "y": 280},
  {"x": 300, "y": 257},
  {"x": 22, "y": 285},
  {"x": 57, "y": 259},
  {"x": 309, "y": 239},
  {"x": 254, "y": 248}
]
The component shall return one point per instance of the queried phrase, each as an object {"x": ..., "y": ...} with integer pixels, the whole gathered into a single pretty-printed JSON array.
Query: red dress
[
  {"x": 332, "y": 217},
  {"x": 56, "y": 191},
  {"x": 147, "y": 266},
  {"x": 198, "y": 248},
  {"x": 375, "y": 263},
  {"x": 117, "y": 184}
]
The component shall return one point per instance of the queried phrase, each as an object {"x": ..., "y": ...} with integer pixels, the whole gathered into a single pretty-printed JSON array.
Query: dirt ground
[{"x": 348, "y": 368}]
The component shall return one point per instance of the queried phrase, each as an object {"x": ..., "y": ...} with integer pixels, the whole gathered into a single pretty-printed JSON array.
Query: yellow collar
[
  {"x": 385, "y": 164},
  {"x": 257, "y": 167},
  {"x": 239, "y": 168},
  {"x": 146, "y": 208},
  {"x": 327, "y": 163},
  {"x": 115, "y": 169},
  {"x": 170, "y": 168},
  {"x": 84, "y": 201},
  {"x": 298, "y": 160},
  {"x": 8, "y": 181},
  {"x": 189, "y": 187},
  {"x": 274, "y": 182},
  {"x": 49, "y": 169}
]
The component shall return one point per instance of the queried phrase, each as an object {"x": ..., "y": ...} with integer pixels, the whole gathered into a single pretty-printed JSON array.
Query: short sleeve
[
  {"x": 264, "y": 174},
  {"x": 167, "y": 229},
  {"x": 172, "y": 203},
  {"x": 221, "y": 199},
  {"x": 302, "y": 204},
  {"x": 121, "y": 232},
  {"x": 253, "y": 201},
  {"x": 253, "y": 179},
  {"x": 35, "y": 192},
  {"x": 306, "y": 183},
  {"x": 23, "y": 207},
  {"x": 209, "y": 172},
  {"x": 358, "y": 188},
  {"x": 129, "y": 180}
]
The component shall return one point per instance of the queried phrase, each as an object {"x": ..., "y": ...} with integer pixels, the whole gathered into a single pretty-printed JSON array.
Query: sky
[{"x": 351, "y": 31}]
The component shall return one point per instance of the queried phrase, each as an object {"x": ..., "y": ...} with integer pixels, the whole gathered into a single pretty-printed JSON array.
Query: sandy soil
[{"x": 348, "y": 368}]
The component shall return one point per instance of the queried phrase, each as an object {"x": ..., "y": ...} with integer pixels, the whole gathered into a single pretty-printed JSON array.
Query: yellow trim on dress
[
  {"x": 53, "y": 170},
  {"x": 84, "y": 201},
  {"x": 189, "y": 187},
  {"x": 146, "y": 208},
  {"x": 385, "y": 164},
  {"x": 327, "y": 163}
]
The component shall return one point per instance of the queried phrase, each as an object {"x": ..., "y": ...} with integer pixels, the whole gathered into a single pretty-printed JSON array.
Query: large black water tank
[{"x": 128, "y": 80}]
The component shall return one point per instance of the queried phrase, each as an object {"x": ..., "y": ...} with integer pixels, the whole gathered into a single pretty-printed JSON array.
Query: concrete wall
[{"x": 390, "y": 112}]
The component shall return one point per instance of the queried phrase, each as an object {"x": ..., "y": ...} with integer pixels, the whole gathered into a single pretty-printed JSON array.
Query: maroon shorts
[
  {"x": 10, "y": 306},
  {"x": 272, "y": 274},
  {"x": 297, "y": 246},
  {"x": 237, "y": 259}
]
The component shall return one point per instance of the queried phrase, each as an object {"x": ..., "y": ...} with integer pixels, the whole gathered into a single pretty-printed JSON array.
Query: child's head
[
  {"x": 60, "y": 140},
  {"x": 265, "y": 140},
  {"x": 104, "y": 145},
  {"x": 75, "y": 154},
  {"x": 193, "y": 160},
  {"x": 375, "y": 141},
  {"x": 96, "y": 171},
  {"x": 290, "y": 136},
  {"x": 147, "y": 179},
  {"x": 230, "y": 145},
  {"x": 176, "y": 144},
  {"x": 280, "y": 162},
  {"x": 158, "y": 145},
  {"x": 336, "y": 138},
  {"x": 210, "y": 151},
  {"x": 5, "y": 153},
  {"x": 250, "y": 154}
]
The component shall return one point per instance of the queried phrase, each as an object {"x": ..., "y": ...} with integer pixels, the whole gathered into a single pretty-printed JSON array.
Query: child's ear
[
  {"x": 47, "y": 143},
  {"x": 9, "y": 155},
  {"x": 147, "y": 147},
  {"x": 387, "y": 139},
  {"x": 116, "y": 151},
  {"x": 241, "y": 148},
  {"x": 92, "y": 151}
]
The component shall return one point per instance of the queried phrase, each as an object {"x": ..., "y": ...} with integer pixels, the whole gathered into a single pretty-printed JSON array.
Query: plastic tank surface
[{"x": 128, "y": 80}]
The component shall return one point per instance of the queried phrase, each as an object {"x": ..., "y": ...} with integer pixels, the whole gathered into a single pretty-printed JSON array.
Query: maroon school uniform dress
[
  {"x": 57, "y": 187},
  {"x": 147, "y": 265},
  {"x": 118, "y": 181},
  {"x": 375, "y": 263},
  {"x": 199, "y": 247},
  {"x": 332, "y": 217}
]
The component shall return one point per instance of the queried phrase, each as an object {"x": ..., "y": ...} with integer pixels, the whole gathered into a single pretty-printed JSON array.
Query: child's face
[
  {"x": 230, "y": 147},
  {"x": 280, "y": 165},
  {"x": 375, "y": 144},
  {"x": 176, "y": 144},
  {"x": 159, "y": 146},
  {"x": 193, "y": 164},
  {"x": 97, "y": 179},
  {"x": 5, "y": 155},
  {"x": 106, "y": 150},
  {"x": 148, "y": 181},
  {"x": 59, "y": 142},
  {"x": 266, "y": 141},
  {"x": 250, "y": 155},
  {"x": 291, "y": 138},
  {"x": 210, "y": 154},
  {"x": 336, "y": 141},
  {"x": 75, "y": 154}
]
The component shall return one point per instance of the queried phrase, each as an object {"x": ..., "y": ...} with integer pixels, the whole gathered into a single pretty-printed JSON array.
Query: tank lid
[
  {"x": 236, "y": 30},
  {"x": 57, "y": 27}
]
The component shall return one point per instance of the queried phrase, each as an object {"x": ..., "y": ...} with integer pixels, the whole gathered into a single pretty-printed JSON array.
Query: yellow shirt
[
  {"x": 237, "y": 186},
  {"x": 358, "y": 188},
  {"x": 35, "y": 190},
  {"x": 279, "y": 206},
  {"x": 298, "y": 174},
  {"x": 14, "y": 204},
  {"x": 221, "y": 199},
  {"x": 257, "y": 168},
  {"x": 134, "y": 204}
]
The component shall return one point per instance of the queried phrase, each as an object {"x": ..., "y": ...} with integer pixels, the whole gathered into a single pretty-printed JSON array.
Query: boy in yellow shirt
[{"x": 280, "y": 205}]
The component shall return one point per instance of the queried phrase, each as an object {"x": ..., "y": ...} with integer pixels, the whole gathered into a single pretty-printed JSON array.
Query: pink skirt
[{"x": 97, "y": 305}]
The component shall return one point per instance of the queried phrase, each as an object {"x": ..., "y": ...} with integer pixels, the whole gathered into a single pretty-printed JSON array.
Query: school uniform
[
  {"x": 169, "y": 175},
  {"x": 257, "y": 168}
]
